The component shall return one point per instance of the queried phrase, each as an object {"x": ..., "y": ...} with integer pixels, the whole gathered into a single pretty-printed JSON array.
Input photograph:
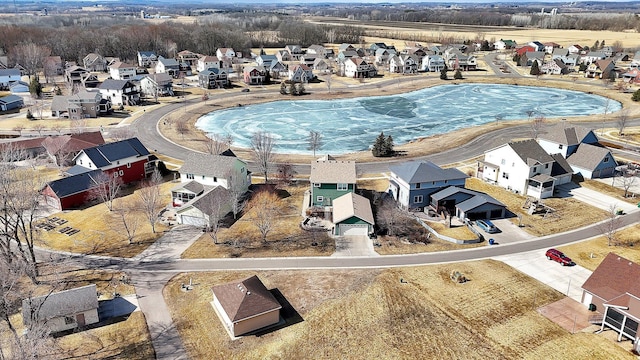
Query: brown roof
[
  {"x": 614, "y": 276},
  {"x": 245, "y": 299},
  {"x": 333, "y": 172},
  {"x": 350, "y": 205}
]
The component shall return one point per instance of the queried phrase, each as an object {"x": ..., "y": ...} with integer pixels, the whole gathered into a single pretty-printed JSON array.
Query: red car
[{"x": 559, "y": 256}]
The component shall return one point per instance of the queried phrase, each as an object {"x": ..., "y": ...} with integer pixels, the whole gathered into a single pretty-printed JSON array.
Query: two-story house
[
  {"x": 84, "y": 104},
  {"x": 188, "y": 57},
  {"x": 523, "y": 167},
  {"x": 207, "y": 62},
  {"x": 8, "y": 76},
  {"x": 331, "y": 179},
  {"x": 122, "y": 71},
  {"x": 295, "y": 52},
  {"x": 225, "y": 53},
  {"x": 404, "y": 64},
  {"x": 301, "y": 73},
  {"x": 120, "y": 92},
  {"x": 600, "y": 69},
  {"x": 412, "y": 183},
  {"x": 94, "y": 62},
  {"x": 157, "y": 85},
  {"x": 204, "y": 180},
  {"x": 169, "y": 66},
  {"x": 213, "y": 78},
  {"x": 254, "y": 75},
  {"x": 432, "y": 63},
  {"x": 357, "y": 67},
  {"x": 146, "y": 58}
]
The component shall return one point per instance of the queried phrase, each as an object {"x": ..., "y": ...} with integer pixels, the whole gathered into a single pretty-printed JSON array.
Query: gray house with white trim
[{"x": 64, "y": 310}]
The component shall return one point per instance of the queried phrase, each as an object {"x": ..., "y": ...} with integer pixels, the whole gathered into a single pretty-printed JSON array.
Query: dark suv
[{"x": 559, "y": 256}]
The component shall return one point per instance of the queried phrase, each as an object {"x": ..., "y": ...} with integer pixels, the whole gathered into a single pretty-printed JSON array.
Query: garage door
[
  {"x": 192, "y": 220},
  {"x": 354, "y": 229}
]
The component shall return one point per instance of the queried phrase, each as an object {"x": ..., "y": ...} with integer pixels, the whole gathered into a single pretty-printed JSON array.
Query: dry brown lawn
[
  {"x": 102, "y": 232},
  {"x": 242, "y": 239},
  {"x": 591, "y": 252},
  {"x": 608, "y": 190},
  {"x": 569, "y": 213},
  {"x": 371, "y": 314}
]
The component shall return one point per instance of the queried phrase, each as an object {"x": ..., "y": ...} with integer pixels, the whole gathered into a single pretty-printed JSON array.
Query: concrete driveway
[
  {"x": 566, "y": 279},
  {"x": 509, "y": 232},
  {"x": 593, "y": 198},
  {"x": 354, "y": 245}
]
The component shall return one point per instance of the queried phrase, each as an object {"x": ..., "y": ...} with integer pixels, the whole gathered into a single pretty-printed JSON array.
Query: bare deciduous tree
[
  {"x": 106, "y": 189},
  {"x": 389, "y": 216},
  {"x": 622, "y": 120},
  {"x": 315, "y": 141},
  {"x": 121, "y": 133},
  {"x": 536, "y": 126},
  {"x": 19, "y": 129},
  {"x": 628, "y": 181},
  {"x": 78, "y": 126},
  {"x": 610, "y": 226},
  {"x": 215, "y": 206},
  {"x": 182, "y": 128},
  {"x": 39, "y": 128},
  {"x": 151, "y": 199},
  {"x": 262, "y": 145},
  {"x": 285, "y": 173},
  {"x": 31, "y": 56},
  {"x": 265, "y": 207},
  {"x": 129, "y": 223},
  {"x": 237, "y": 186},
  {"x": 215, "y": 144},
  {"x": 54, "y": 145}
]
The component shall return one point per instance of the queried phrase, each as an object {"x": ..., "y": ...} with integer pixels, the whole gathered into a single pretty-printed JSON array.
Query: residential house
[
  {"x": 593, "y": 56},
  {"x": 417, "y": 51},
  {"x": 245, "y": 306},
  {"x": 277, "y": 69},
  {"x": 529, "y": 57},
  {"x": 84, "y": 104},
  {"x": 467, "y": 204},
  {"x": 320, "y": 51},
  {"x": 126, "y": 159},
  {"x": 521, "y": 50},
  {"x": 352, "y": 215},
  {"x": 7, "y": 76},
  {"x": 213, "y": 78},
  {"x": 375, "y": 47},
  {"x": 207, "y": 62},
  {"x": 94, "y": 62},
  {"x": 554, "y": 67},
  {"x": 301, "y": 73},
  {"x": 347, "y": 54},
  {"x": 382, "y": 56},
  {"x": 225, "y": 53},
  {"x": 80, "y": 76},
  {"x": 635, "y": 62},
  {"x": 18, "y": 87},
  {"x": 592, "y": 161},
  {"x": 404, "y": 64},
  {"x": 160, "y": 84},
  {"x": 331, "y": 179},
  {"x": 346, "y": 47},
  {"x": 549, "y": 47},
  {"x": 504, "y": 44},
  {"x": 308, "y": 59},
  {"x": 322, "y": 65},
  {"x": 295, "y": 51},
  {"x": 632, "y": 76},
  {"x": 254, "y": 75},
  {"x": 412, "y": 183},
  {"x": 614, "y": 292},
  {"x": 208, "y": 205},
  {"x": 570, "y": 60},
  {"x": 575, "y": 49},
  {"x": 184, "y": 69},
  {"x": 11, "y": 102},
  {"x": 537, "y": 45},
  {"x": 284, "y": 56},
  {"x": 122, "y": 71},
  {"x": 358, "y": 68},
  {"x": 63, "y": 310},
  {"x": 523, "y": 167},
  {"x": 120, "y": 92},
  {"x": 463, "y": 62},
  {"x": 53, "y": 65},
  {"x": 146, "y": 58},
  {"x": 600, "y": 69},
  {"x": 608, "y": 51},
  {"x": 72, "y": 191},
  {"x": 565, "y": 138},
  {"x": 266, "y": 60},
  {"x": 186, "y": 56},
  {"x": 433, "y": 63},
  {"x": 169, "y": 66},
  {"x": 202, "y": 171}
]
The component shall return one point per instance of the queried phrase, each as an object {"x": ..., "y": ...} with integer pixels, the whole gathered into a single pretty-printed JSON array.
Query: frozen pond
[{"x": 351, "y": 125}]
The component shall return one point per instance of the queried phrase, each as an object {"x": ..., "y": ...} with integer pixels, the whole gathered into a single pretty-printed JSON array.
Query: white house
[
  {"x": 358, "y": 68},
  {"x": 146, "y": 58},
  {"x": 207, "y": 62},
  {"x": 523, "y": 167},
  {"x": 169, "y": 66},
  {"x": 433, "y": 63},
  {"x": 122, "y": 71},
  {"x": 227, "y": 53},
  {"x": 120, "y": 92}
]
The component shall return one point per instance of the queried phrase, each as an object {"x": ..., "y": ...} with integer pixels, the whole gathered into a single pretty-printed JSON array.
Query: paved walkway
[
  {"x": 594, "y": 198},
  {"x": 171, "y": 245},
  {"x": 354, "y": 245}
]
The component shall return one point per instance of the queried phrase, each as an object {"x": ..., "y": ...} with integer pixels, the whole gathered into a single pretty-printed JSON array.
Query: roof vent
[{"x": 248, "y": 292}]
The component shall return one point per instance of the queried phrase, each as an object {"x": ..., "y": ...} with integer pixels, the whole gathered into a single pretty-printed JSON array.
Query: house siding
[
  {"x": 329, "y": 192},
  {"x": 59, "y": 324},
  {"x": 67, "y": 202},
  {"x": 255, "y": 323},
  {"x": 129, "y": 174}
]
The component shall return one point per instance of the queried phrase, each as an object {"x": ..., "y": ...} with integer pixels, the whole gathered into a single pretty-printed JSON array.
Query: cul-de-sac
[{"x": 319, "y": 180}]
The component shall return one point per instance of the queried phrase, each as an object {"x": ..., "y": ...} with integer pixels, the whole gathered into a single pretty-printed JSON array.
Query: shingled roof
[
  {"x": 208, "y": 165},
  {"x": 245, "y": 298},
  {"x": 425, "y": 171},
  {"x": 613, "y": 277},
  {"x": 531, "y": 152},
  {"x": 350, "y": 205},
  {"x": 333, "y": 172},
  {"x": 67, "y": 302},
  {"x": 589, "y": 156},
  {"x": 561, "y": 134}
]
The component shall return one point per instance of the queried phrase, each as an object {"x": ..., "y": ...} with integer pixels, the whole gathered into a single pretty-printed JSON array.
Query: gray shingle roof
[
  {"x": 333, "y": 172},
  {"x": 476, "y": 198},
  {"x": 350, "y": 205},
  {"x": 531, "y": 152},
  {"x": 112, "y": 84},
  {"x": 425, "y": 171},
  {"x": 560, "y": 166},
  {"x": 589, "y": 156},
  {"x": 208, "y": 165},
  {"x": 566, "y": 135},
  {"x": 68, "y": 302}
]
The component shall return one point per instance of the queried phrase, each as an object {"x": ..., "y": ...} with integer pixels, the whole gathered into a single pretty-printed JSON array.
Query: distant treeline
[{"x": 74, "y": 37}]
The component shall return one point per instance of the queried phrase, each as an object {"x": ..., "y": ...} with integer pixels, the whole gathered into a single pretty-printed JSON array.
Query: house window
[
  {"x": 128, "y": 165},
  {"x": 417, "y": 185},
  {"x": 80, "y": 161},
  {"x": 215, "y": 179},
  {"x": 535, "y": 169},
  {"x": 560, "y": 146},
  {"x": 92, "y": 108},
  {"x": 606, "y": 159},
  {"x": 117, "y": 162},
  {"x": 190, "y": 176},
  {"x": 417, "y": 199},
  {"x": 513, "y": 164},
  {"x": 505, "y": 175},
  {"x": 316, "y": 185},
  {"x": 121, "y": 172},
  {"x": 503, "y": 161},
  {"x": 343, "y": 187},
  {"x": 546, "y": 166},
  {"x": 319, "y": 198},
  {"x": 69, "y": 320}
]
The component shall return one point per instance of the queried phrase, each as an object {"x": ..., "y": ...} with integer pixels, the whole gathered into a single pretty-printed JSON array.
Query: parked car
[
  {"x": 487, "y": 226},
  {"x": 560, "y": 257}
]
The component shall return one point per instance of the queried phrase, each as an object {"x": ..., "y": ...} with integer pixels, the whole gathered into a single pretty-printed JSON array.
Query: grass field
[{"x": 371, "y": 314}]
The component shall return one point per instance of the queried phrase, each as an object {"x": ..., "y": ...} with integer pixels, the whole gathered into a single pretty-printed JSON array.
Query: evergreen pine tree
[
  {"x": 292, "y": 89},
  {"x": 378, "y": 147},
  {"x": 283, "y": 88},
  {"x": 636, "y": 95},
  {"x": 535, "y": 69},
  {"x": 458, "y": 75},
  {"x": 388, "y": 146},
  {"x": 35, "y": 88},
  {"x": 443, "y": 74}
]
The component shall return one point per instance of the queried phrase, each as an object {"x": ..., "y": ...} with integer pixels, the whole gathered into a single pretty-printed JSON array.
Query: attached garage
[
  {"x": 352, "y": 215},
  {"x": 192, "y": 220}
]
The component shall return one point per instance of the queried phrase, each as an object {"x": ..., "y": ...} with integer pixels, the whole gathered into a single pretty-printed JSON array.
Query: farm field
[{"x": 372, "y": 314}]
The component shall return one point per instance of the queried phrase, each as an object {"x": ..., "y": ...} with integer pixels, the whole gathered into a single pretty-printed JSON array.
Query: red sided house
[
  {"x": 614, "y": 291},
  {"x": 127, "y": 159}
]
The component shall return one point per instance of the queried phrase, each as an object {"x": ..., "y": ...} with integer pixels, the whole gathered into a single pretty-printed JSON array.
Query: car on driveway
[
  {"x": 487, "y": 226},
  {"x": 559, "y": 256}
]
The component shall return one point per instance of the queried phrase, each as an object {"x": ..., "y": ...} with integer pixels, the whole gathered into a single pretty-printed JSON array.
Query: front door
[{"x": 80, "y": 320}]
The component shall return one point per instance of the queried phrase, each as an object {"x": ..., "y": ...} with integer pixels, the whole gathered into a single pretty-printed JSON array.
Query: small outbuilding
[
  {"x": 11, "y": 102},
  {"x": 246, "y": 305},
  {"x": 64, "y": 310}
]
